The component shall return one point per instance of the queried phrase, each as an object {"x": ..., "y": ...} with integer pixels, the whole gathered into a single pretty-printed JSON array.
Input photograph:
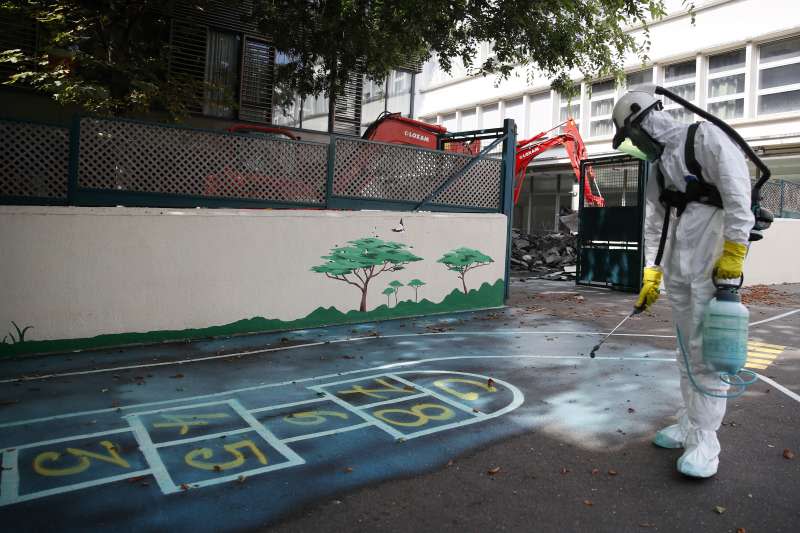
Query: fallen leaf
[
  {"x": 176, "y": 376},
  {"x": 409, "y": 388},
  {"x": 719, "y": 510},
  {"x": 490, "y": 383},
  {"x": 646, "y": 524},
  {"x": 136, "y": 479},
  {"x": 475, "y": 410},
  {"x": 741, "y": 530},
  {"x": 595, "y": 471},
  {"x": 631, "y": 410},
  {"x": 450, "y": 462},
  {"x": 348, "y": 469},
  {"x": 612, "y": 472},
  {"x": 184, "y": 486},
  {"x": 241, "y": 479},
  {"x": 788, "y": 454},
  {"x": 564, "y": 471},
  {"x": 217, "y": 468},
  {"x": 493, "y": 471},
  {"x": 587, "y": 503}
]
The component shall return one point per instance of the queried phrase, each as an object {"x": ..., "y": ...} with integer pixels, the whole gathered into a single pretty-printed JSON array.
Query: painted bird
[{"x": 400, "y": 227}]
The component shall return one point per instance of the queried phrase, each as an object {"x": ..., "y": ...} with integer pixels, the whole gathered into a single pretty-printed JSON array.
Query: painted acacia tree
[
  {"x": 395, "y": 285},
  {"x": 362, "y": 261},
  {"x": 388, "y": 291},
  {"x": 462, "y": 260},
  {"x": 104, "y": 56},
  {"x": 326, "y": 42},
  {"x": 416, "y": 284}
]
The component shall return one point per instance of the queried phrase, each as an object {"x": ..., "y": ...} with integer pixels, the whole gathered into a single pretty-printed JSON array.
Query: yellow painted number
[
  {"x": 418, "y": 412},
  {"x": 311, "y": 418},
  {"x": 199, "y": 458},
  {"x": 378, "y": 392},
  {"x": 184, "y": 422},
  {"x": 444, "y": 384},
  {"x": 84, "y": 460}
]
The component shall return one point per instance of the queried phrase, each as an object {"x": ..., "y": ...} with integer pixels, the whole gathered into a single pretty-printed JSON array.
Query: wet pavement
[{"x": 492, "y": 420}]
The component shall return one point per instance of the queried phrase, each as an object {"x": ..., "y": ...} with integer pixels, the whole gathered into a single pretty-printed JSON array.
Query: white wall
[
  {"x": 776, "y": 257},
  {"x": 80, "y": 272}
]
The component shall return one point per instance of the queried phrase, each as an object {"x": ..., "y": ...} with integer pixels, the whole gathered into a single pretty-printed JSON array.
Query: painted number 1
[{"x": 444, "y": 384}]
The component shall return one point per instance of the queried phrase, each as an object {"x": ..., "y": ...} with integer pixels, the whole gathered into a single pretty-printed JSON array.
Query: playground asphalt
[{"x": 487, "y": 421}]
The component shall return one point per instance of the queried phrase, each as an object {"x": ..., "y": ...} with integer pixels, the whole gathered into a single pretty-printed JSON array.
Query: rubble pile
[{"x": 551, "y": 255}]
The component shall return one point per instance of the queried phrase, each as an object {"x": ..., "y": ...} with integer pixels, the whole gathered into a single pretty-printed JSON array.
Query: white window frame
[
  {"x": 742, "y": 95},
  {"x": 613, "y": 95},
  {"x": 773, "y": 90},
  {"x": 669, "y": 104}
]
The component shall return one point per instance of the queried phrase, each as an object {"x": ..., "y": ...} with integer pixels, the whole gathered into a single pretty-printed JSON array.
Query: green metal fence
[
  {"x": 110, "y": 162},
  {"x": 782, "y": 198}
]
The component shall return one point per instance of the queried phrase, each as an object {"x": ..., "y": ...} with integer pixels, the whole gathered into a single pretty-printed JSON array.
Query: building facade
[{"x": 740, "y": 60}]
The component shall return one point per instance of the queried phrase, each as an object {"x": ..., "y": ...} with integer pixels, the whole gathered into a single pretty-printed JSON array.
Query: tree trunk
[
  {"x": 363, "y": 306},
  {"x": 416, "y": 296},
  {"x": 464, "y": 283},
  {"x": 332, "y": 96}
]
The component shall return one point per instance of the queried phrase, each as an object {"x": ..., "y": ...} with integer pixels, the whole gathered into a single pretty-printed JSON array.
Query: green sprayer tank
[{"x": 725, "y": 331}]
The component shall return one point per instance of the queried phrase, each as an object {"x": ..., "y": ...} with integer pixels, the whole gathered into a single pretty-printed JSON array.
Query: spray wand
[{"x": 636, "y": 311}]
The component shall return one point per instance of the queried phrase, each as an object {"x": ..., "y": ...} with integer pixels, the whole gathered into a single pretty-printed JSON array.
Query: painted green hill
[{"x": 489, "y": 295}]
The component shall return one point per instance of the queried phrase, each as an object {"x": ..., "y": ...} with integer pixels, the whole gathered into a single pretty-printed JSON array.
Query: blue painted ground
[{"x": 236, "y": 434}]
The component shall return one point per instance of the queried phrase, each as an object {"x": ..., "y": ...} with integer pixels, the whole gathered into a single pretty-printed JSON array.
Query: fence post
[
  {"x": 507, "y": 190},
  {"x": 74, "y": 157},
  {"x": 330, "y": 169},
  {"x": 780, "y": 209}
]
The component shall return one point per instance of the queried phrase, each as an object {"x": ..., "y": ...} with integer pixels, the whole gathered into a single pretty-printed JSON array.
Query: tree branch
[{"x": 343, "y": 278}]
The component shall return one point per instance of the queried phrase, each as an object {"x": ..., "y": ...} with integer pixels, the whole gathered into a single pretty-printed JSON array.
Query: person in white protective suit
[{"x": 705, "y": 239}]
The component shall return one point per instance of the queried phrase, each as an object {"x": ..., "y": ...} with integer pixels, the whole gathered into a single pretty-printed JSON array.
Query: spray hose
[{"x": 734, "y": 380}]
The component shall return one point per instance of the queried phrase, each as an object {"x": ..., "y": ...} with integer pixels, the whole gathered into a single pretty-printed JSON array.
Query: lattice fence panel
[
  {"x": 618, "y": 182},
  {"x": 782, "y": 198},
  {"x": 376, "y": 171},
  {"x": 34, "y": 160},
  {"x": 144, "y": 158}
]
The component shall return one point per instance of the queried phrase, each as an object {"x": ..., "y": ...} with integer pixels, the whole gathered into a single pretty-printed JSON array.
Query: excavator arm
[{"x": 528, "y": 149}]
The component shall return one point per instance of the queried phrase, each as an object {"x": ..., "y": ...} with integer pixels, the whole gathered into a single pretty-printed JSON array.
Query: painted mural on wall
[{"x": 358, "y": 263}]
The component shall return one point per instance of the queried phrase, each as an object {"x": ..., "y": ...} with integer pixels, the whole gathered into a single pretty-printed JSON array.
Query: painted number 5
[{"x": 199, "y": 458}]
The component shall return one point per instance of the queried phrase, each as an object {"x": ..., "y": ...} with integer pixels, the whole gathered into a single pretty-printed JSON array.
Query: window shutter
[{"x": 255, "y": 97}]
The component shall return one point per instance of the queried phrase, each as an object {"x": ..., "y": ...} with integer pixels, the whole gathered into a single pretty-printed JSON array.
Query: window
[
  {"x": 222, "y": 72},
  {"x": 516, "y": 111},
  {"x": 601, "y": 105},
  {"x": 779, "y": 76},
  {"x": 680, "y": 79},
  {"x": 635, "y": 79},
  {"x": 570, "y": 107},
  {"x": 726, "y": 83},
  {"x": 373, "y": 90}
]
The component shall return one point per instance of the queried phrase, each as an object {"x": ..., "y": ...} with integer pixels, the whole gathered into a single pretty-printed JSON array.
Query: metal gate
[{"x": 610, "y": 238}]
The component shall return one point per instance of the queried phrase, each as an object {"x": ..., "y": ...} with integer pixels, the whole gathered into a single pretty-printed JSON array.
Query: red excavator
[{"x": 394, "y": 128}]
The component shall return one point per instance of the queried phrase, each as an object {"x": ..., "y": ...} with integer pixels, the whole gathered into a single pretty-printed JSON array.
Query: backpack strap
[{"x": 691, "y": 161}]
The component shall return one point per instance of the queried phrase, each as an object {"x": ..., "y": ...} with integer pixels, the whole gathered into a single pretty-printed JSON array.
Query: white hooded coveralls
[{"x": 693, "y": 247}]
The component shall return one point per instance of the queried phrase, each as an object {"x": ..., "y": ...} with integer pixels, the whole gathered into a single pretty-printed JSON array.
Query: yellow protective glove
[
  {"x": 731, "y": 262},
  {"x": 651, "y": 281}
]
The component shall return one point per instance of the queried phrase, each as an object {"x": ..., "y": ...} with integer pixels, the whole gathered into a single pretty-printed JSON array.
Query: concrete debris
[{"x": 550, "y": 256}]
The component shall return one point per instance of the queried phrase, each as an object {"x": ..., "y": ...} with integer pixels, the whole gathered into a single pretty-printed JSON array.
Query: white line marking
[
  {"x": 152, "y": 457},
  {"x": 179, "y": 408},
  {"x": 9, "y": 478},
  {"x": 791, "y": 394},
  {"x": 203, "y": 437},
  {"x": 78, "y": 486},
  {"x": 364, "y": 416},
  {"x": 436, "y": 395},
  {"x": 267, "y": 435},
  {"x": 329, "y": 432},
  {"x": 282, "y": 405},
  {"x": 328, "y": 376},
  {"x": 394, "y": 400},
  {"x": 774, "y": 318},
  {"x": 75, "y": 437},
  {"x": 313, "y": 344}
]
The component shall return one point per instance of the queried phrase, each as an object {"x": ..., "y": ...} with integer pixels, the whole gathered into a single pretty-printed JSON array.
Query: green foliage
[
  {"x": 373, "y": 37},
  {"x": 489, "y": 295},
  {"x": 20, "y": 338},
  {"x": 462, "y": 260},
  {"x": 416, "y": 284},
  {"x": 105, "y": 56}
]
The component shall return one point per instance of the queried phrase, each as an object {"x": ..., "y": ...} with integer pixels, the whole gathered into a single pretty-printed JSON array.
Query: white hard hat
[{"x": 630, "y": 107}]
